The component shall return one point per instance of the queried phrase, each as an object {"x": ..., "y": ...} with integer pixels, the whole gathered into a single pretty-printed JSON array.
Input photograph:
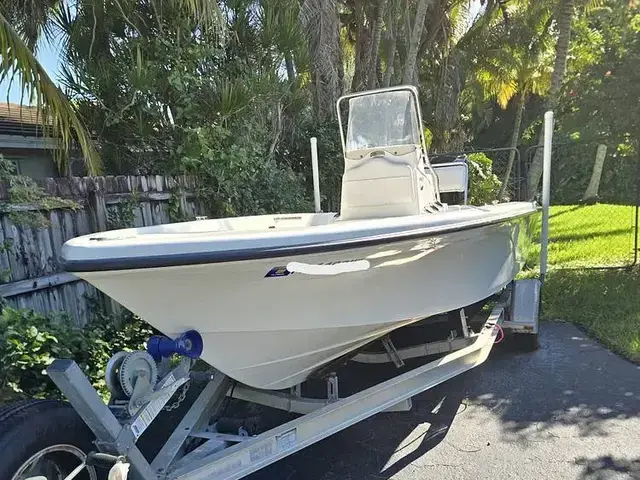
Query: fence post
[
  {"x": 546, "y": 191},
  {"x": 97, "y": 206},
  {"x": 594, "y": 183}
]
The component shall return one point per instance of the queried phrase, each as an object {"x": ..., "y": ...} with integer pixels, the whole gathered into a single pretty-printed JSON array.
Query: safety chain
[{"x": 181, "y": 397}]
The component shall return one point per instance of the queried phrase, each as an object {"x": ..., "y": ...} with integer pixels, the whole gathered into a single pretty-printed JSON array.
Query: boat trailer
[{"x": 205, "y": 445}]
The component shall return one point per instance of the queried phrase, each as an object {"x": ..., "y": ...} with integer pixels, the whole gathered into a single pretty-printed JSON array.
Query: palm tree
[
  {"x": 22, "y": 24},
  {"x": 415, "y": 34},
  {"x": 564, "y": 20},
  {"x": 522, "y": 78},
  {"x": 518, "y": 68},
  {"x": 321, "y": 20}
]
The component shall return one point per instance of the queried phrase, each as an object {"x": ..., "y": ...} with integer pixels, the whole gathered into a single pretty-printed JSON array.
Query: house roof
[{"x": 21, "y": 120}]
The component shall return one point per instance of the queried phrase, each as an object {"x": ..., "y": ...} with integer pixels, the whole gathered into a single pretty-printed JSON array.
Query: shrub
[
  {"x": 484, "y": 185},
  {"x": 30, "y": 342},
  {"x": 238, "y": 176}
]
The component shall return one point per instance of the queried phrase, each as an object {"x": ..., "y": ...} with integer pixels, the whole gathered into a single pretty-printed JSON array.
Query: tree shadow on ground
[
  {"x": 378, "y": 447},
  {"x": 559, "y": 212},
  {"x": 602, "y": 468},
  {"x": 591, "y": 235},
  {"x": 570, "y": 382}
]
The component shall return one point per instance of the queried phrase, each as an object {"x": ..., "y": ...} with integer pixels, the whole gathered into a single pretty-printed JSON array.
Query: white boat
[{"x": 276, "y": 297}]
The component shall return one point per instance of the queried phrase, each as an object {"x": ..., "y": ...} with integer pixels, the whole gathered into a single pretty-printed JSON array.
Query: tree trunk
[
  {"x": 374, "y": 54},
  {"x": 402, "y": 34},
  {"x": 390, "y": 53},
  {"x": 362, "y": 54},
  {"x": 393, "y": 26},
  {"x": 291, "y": 73},
  {"x": 414, "y": 42},
  {"x": 320, "y": 19},
  {"x": 515, "y": 136},
  {"x": 564, "y": 20},
  {"x": 594, "y": 184}
]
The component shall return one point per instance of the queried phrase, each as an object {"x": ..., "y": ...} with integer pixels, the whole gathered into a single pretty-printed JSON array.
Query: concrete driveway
[{"x": 571, "y": 410}]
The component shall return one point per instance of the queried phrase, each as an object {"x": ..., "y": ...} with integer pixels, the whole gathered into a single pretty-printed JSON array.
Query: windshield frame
[{"x": 414, "y": 96}]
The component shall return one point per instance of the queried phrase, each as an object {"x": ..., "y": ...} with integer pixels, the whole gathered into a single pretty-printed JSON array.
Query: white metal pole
[
  {"x": 546, "y": 191},
  {"x": 316, "y": 174}
]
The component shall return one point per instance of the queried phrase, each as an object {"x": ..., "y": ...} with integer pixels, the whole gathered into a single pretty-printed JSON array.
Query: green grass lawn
[
  {"x": 589, "y": 236},
  {"x": 606, "y": 303}
]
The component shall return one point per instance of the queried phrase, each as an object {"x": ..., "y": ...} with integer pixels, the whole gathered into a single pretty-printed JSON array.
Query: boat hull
[{"x": 269, "y": 328}]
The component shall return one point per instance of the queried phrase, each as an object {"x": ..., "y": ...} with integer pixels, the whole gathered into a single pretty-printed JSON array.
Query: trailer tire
[{"x": 34, "y": 427}]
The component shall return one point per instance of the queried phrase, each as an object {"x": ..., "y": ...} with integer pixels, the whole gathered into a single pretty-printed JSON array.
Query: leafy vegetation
[
  {"x": 601, "y": 107},
  {"x": 29, "y": 342},
  {"x": 28, "y": 202},
  {"x": 122, "y": 215},
  {"x": 23, "y": 25},
  {"x": 484, "y": 185}
]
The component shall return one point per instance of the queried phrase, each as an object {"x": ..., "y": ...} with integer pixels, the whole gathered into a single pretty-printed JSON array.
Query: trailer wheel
[{"x": 43, "y": 439}]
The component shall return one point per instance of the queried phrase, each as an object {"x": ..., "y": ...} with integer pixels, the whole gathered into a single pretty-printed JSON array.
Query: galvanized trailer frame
[{"x": 230, "y": 456}]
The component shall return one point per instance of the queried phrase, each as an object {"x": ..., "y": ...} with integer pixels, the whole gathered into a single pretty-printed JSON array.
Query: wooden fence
[{"x": 29, "y": 256}]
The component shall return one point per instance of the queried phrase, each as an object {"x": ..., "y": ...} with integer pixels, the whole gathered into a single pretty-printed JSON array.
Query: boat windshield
[{"x": 382, "y": 120}]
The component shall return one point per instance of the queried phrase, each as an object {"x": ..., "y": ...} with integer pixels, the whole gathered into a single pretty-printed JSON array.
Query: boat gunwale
[{"x": 261, "y": 253}]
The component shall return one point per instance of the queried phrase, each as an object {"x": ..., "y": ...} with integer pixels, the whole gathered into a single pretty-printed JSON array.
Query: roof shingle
[{"x": 18, "y": 119}]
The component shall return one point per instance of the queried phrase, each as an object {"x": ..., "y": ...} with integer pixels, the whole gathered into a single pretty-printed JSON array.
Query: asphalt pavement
[{"x": 570, "y": 410}]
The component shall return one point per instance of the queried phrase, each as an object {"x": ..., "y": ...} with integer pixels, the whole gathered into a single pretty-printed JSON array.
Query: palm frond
[
  {"x": 460, "y": 19},
  {"x": 207, "y": 13},
  {"x": 591, "y": 6},
  {"x": 55, "y": 107},
  {"x": 30, "y": 18}
]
